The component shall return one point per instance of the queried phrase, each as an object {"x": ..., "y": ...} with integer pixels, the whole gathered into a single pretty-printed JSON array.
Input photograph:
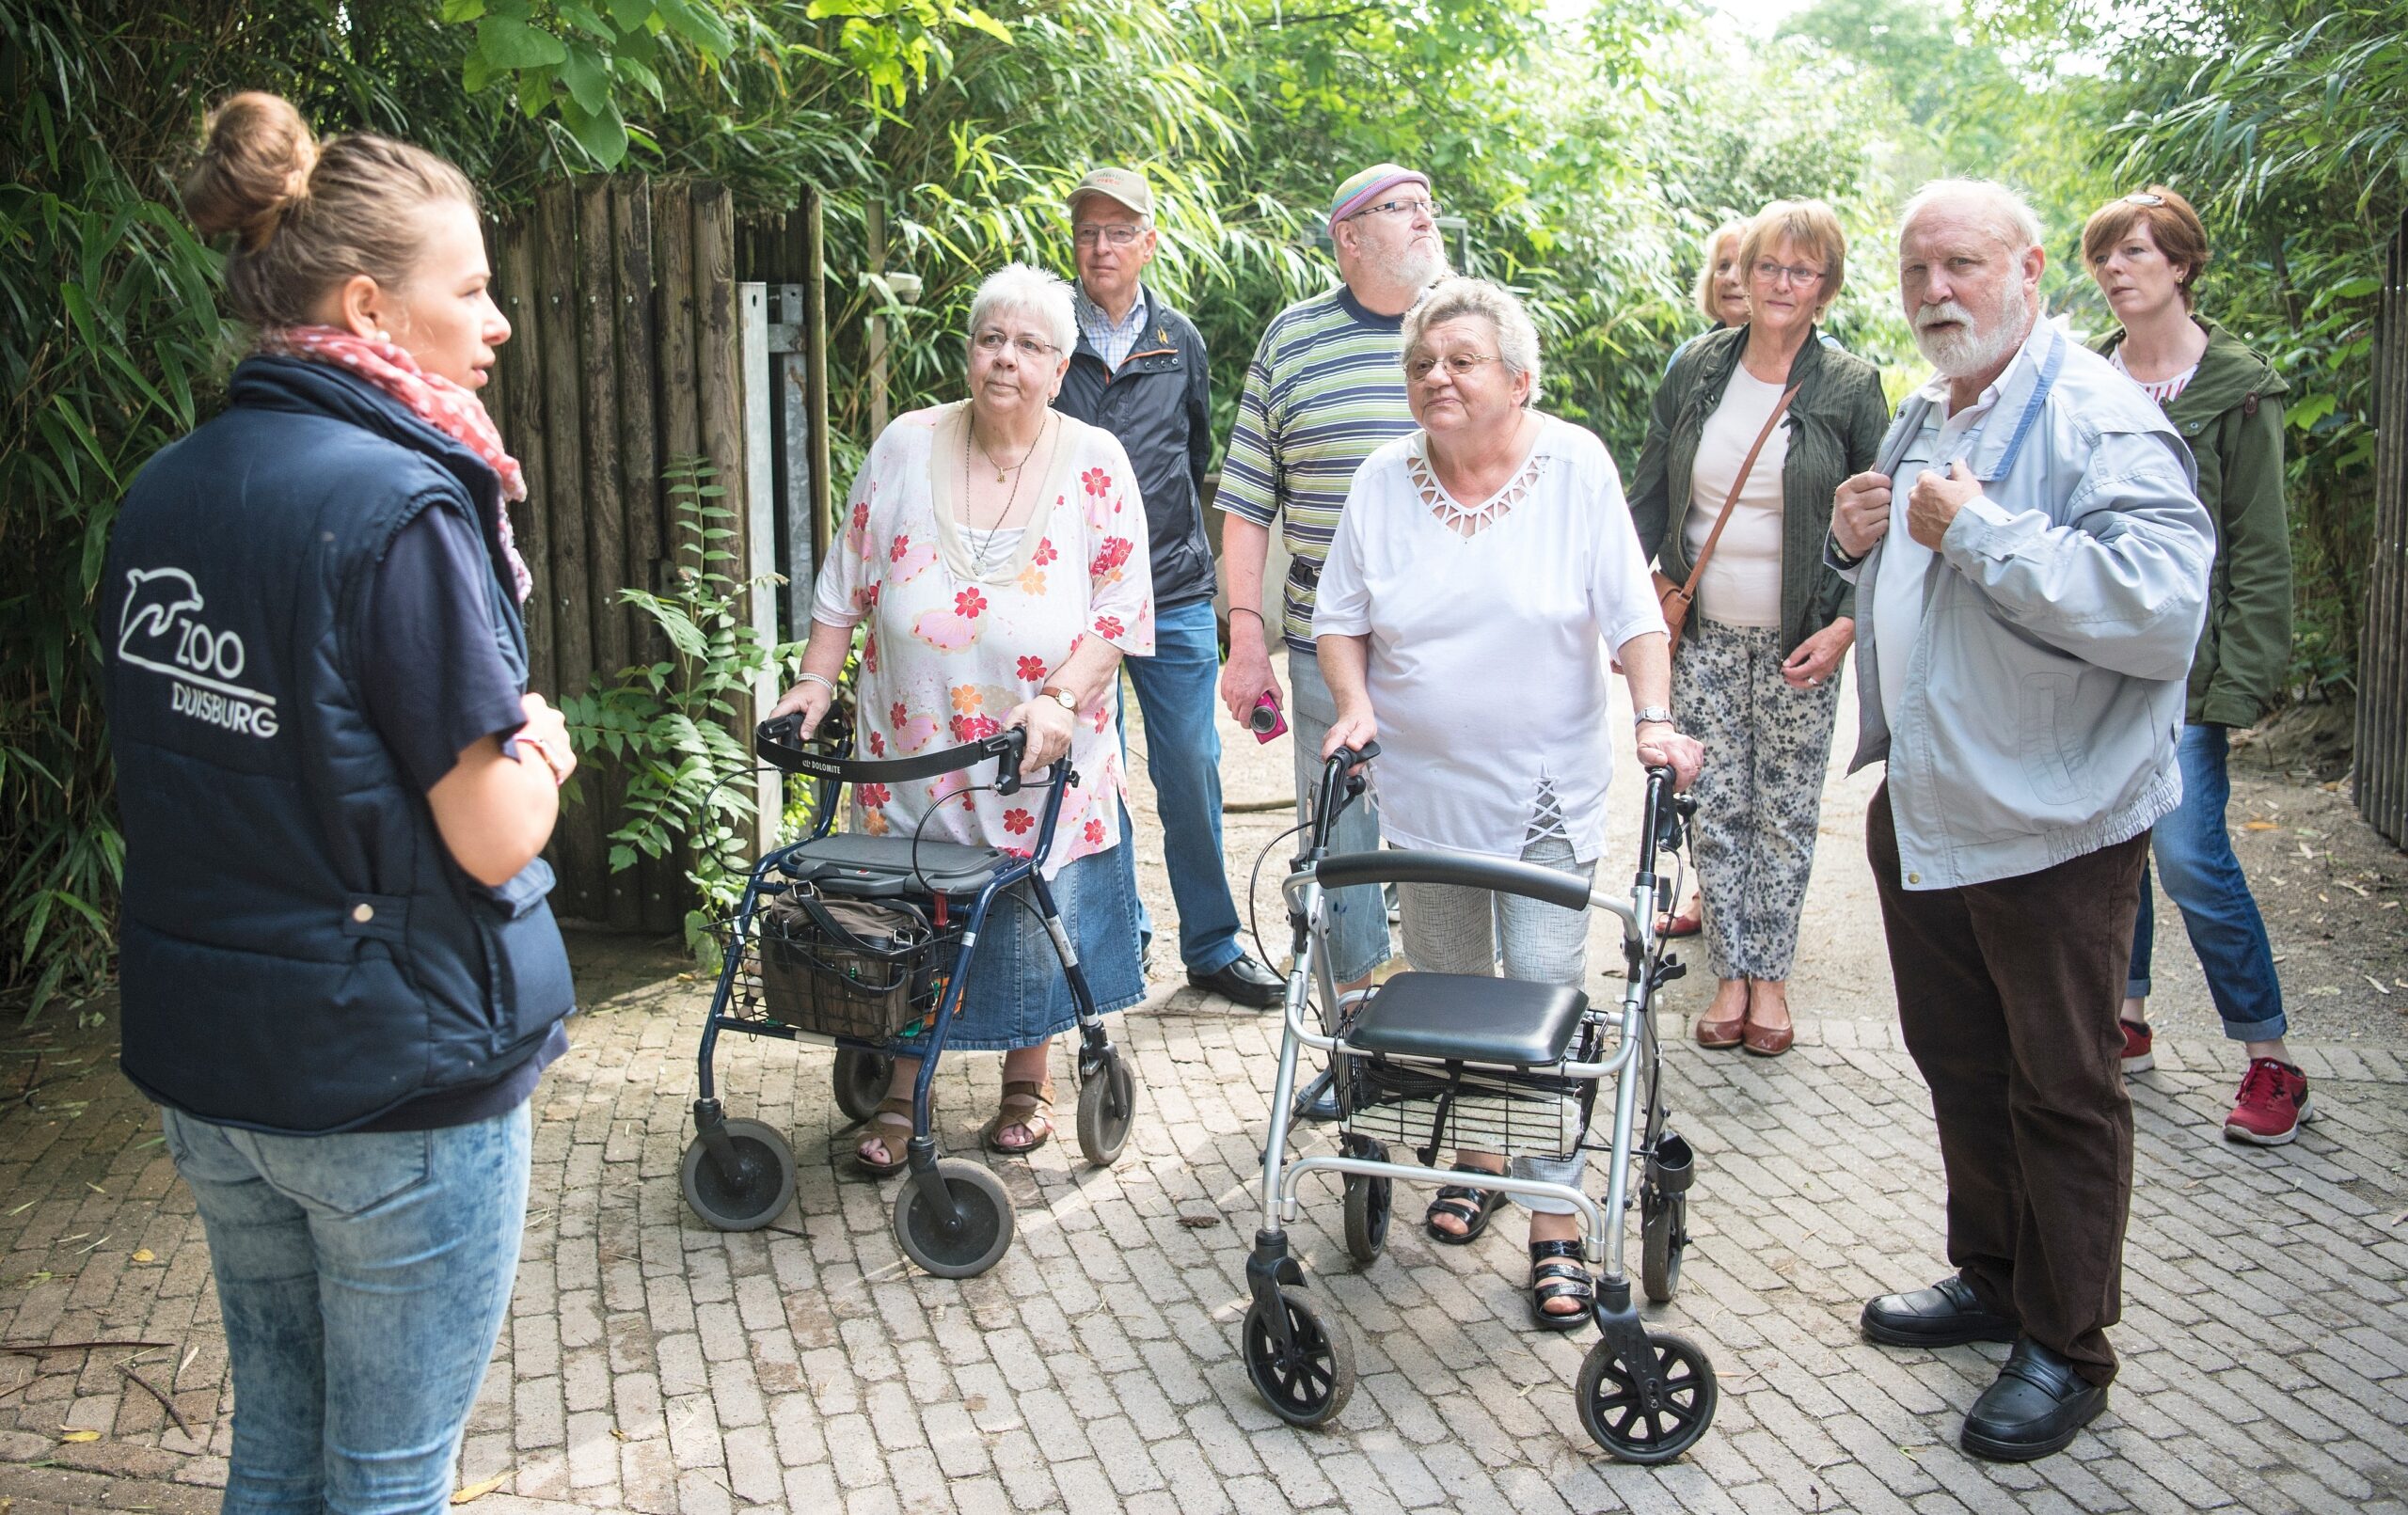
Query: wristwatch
[
  {"x": 1644, "y": 714},
  {"x": 1060, "y": 696}
]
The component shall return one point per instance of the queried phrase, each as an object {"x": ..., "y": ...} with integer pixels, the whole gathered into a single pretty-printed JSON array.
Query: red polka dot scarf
[{"x": 458, "y": 413}]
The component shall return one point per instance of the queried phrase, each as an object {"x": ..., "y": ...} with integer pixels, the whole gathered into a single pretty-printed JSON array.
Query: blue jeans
[
  {"x": 2195, "y": 861},
  {"x": 1178, "y": 690},
  {"x": 363, "y": 1278},
  {"x": 1358, "y": 915}
]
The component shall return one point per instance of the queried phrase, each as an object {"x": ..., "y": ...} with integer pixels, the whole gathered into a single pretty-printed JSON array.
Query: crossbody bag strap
[{"x": 1697, "y": 570}]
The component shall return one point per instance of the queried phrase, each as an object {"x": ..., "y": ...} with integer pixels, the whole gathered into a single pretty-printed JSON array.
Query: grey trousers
[
  {"x": 1449, "y": 929},
  {"x": 1760, "y": 795}
]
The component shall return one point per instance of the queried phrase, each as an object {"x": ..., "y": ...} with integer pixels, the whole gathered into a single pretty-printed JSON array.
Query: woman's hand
[
  {"x": 546, "y": 732},
  {"x": 810, "y": 698},
  {"x": 1353, "y": 728},
  {"x": 1049, "y": 728},
  {"x": 1817, "y": 659},
  {"x": 1662, "y": 746}
]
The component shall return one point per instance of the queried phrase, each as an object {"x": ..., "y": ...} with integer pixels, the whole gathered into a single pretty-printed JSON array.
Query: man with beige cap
[
  {"x": 1139, "y": 373},
  {"x": 1326, "y": 389}
]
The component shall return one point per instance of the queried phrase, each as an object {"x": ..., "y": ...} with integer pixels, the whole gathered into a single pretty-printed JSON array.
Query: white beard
[
  {"x": 1416, "y": 267},
  {"x": 1977, "y": 346}
]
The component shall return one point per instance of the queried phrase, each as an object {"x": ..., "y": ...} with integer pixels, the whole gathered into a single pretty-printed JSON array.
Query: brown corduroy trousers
[{"x": 2007, "y": 994}]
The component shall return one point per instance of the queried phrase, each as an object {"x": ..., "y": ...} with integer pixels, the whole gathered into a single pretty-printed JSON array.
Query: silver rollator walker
[
  {"x": 864, "y": 943},
  {"x": 1436, "y": 1061}
]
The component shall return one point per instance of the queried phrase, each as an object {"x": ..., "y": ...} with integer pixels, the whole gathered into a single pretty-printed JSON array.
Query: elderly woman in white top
[{"x": 1493, "y": 539}]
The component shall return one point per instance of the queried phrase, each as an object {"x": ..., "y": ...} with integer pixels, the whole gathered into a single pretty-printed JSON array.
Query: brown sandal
[
  {"x": 893, "y": 1114},
  {"x": 1026, "y": 1103}
]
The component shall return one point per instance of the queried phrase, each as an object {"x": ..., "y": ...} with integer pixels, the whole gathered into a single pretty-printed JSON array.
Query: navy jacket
[
  {"x": 1159, "y": 405},
  {"x": 299, "y": 953}
]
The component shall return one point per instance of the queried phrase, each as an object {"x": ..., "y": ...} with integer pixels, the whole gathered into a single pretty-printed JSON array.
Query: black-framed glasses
[
  {"x": 1425, "y": 204},
  {"x": 1773, "y": 273},
  {"x": 1115, "y": 234},
  {"x": 992, "y": 343},
  {"x": 1458, "y": 365}
]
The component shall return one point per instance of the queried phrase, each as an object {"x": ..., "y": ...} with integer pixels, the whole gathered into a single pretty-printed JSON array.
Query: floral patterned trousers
[{"x": 1760, "y": 796}]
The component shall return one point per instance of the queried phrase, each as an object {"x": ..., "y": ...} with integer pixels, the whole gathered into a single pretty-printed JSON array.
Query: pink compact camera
[{"x": 1265, "y": 719}]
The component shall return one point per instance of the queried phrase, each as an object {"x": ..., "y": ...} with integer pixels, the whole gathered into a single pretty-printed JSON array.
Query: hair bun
[{"x": 254, "y": 167}]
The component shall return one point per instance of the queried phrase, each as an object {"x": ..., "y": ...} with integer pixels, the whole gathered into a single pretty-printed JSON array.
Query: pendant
[{"x": 999, "y": 476}]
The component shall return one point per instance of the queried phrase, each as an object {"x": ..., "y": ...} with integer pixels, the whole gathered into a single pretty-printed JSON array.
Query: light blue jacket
[{"x": 2044, "y": 691}]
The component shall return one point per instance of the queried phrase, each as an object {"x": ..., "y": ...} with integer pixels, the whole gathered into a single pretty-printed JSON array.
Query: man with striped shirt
[{"x": 1326, "y": 389}]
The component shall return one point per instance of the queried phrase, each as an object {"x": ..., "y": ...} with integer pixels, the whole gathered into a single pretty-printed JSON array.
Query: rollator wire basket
[
  {"x": 1433, "y": 1107},
  {"x": 830, "y": 966}
]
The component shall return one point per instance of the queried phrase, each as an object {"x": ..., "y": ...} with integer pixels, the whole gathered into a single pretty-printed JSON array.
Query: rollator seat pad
[
  {"x": 882, "y": 867},
  {"x": 1469, "y": 1018}
]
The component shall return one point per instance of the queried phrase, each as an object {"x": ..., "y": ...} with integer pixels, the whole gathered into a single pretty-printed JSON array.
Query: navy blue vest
[{"x": 298, "y": 951}]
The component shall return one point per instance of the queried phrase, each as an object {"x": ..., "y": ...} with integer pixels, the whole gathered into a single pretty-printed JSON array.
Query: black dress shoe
[
  {"x": 2035, "y": 1407},
  {"x": 1245, "y": 981},
  {"x": 1318, "y": 1102},
  {"x": 1943, "y": 1314}
]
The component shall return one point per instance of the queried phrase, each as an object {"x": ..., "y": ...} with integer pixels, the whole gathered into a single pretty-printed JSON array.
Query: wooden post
[
  {"x": 2381, "y": 784},
  {"x": 520, "y": 372},
  {"x": 578, "y": 838},
  {"x": 873, "y": 235},
  {"x": 814, "y": 280}
]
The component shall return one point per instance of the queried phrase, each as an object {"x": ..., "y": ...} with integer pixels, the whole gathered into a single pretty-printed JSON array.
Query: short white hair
[
  {"x": 2005, "y": 210},
  {"x": 1451, "y": 299},
  {"x": 1018, "y": 289}
]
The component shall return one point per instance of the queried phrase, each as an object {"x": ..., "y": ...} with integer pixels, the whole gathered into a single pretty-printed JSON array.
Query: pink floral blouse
[{"x": 964, "y": 627}]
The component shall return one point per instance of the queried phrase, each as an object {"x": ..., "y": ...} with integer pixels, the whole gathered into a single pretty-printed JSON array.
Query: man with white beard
[
  {"x": 2021, "y": 647},
  {"x": 1326, "y": 389}
]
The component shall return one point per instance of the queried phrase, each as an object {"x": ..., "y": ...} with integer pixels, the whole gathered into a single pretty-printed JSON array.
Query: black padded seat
[
  {"x": 1469, "y": 1018},
  {"x": 882, "y": 867}
]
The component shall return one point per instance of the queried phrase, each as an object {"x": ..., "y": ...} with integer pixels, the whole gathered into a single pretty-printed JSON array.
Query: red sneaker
[
  {"x": 2272, "y": 1106},
  {"x": 2138, "y": 1039}
]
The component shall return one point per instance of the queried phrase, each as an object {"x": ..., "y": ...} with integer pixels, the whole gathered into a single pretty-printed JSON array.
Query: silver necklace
[{"x": 981, "y": 546}]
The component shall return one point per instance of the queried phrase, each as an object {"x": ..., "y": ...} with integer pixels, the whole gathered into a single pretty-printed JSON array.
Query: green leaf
[
  {"x": 601, "y": 133},
  {"x": 589, "y": 82},
  {"x": 515, "y": 45},
  {"x": 456, "y": 12}
]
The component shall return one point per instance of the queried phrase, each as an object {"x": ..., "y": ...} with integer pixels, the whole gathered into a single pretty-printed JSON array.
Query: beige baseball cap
[{"x": 1123, "y": 185}]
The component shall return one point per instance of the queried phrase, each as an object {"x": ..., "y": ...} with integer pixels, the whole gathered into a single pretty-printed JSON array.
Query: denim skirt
[{"x": 1017, "y": 994}]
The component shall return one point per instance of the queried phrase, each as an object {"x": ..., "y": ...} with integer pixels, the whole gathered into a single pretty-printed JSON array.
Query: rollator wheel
[
  {"x": 1633, "y": 1432},
  {"x": 982, "y": 1237},
  {"x": 861, "y": 1079},
  {"x": 1314, "y": 1379},
  {"x": 1369, "y": 1204},
  {"x": 750, "y": 1197},
  {"x": 1107, "y": 1108},
  {"x": 1663, "y": 1229}
]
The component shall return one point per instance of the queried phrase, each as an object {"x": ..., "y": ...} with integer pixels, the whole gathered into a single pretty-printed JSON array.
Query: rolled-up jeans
[
  {"x": 2197, "y": 864},
  {"x": 1357, "y": 917},
  {"x": 363, "y": 1278},
  {"x": 1451, "y": 929}
]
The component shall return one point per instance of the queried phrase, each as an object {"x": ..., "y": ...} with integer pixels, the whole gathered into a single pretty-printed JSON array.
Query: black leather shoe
[
  {"x": 2035, "y": 1407},
  {"x": 1245, "y": 981},
  {"x": 1318, "y": 1103},
  {"x": 1943, "y": 1314}
]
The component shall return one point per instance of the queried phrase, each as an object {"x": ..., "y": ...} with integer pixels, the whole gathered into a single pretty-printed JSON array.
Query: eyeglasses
[
  {"x": 2142, "y": 196},
  {"x": 1459, "y": 365},
  {"x": 1773, "y": 273},
  {"x": 992, "y": 343},
  {"x": 1118, "y": 234},
  {"x": 1417, "y": 207}
]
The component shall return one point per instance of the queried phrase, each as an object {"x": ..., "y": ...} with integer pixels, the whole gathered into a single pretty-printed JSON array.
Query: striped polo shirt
[{"x": 1326, "y": 389}]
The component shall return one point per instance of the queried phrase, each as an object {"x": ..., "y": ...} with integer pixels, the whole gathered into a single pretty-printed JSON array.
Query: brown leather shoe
[
  {"x": 1767, "y": 1041},
  {"x": 1719, "y": 1033}
]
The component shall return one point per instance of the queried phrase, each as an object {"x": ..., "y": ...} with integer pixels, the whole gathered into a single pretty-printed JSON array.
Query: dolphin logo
[{"x": 159, "y": 629}]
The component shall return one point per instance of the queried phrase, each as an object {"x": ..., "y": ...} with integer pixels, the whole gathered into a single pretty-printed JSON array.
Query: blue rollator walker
[
  {"x": 864, "y": 943},
  {"x": 1437, "y": 1060}
]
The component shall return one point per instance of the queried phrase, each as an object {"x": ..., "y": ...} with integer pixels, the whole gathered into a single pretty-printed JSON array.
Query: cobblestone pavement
[{"x": 653, "y": 1365}]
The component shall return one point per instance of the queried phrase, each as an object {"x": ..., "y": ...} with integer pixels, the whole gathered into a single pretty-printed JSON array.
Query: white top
[
  {"x": 1489, "y": 626},
  {"x": 1741, "y": 585},
  {"x": 2160, "y": 390},
  {"x": 953, "y": 644},
  {"x": 1898, "y": 587}
]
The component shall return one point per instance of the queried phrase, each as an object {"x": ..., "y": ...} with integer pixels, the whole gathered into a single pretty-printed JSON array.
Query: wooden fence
[
  {"x": 2381, "y": 783},
  {"x": 623, "y": 301}
]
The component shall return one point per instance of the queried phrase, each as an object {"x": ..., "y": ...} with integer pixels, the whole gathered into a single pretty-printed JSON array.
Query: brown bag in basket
[{"x": 1675, "y": 599}]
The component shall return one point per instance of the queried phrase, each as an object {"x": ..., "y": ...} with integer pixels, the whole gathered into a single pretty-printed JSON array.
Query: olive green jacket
[
  {"x": 1835, "y": 426},
  {"x": 2231, "y": 415}
]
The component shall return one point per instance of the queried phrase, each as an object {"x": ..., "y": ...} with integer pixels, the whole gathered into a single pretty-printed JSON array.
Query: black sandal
[
  {"x": 1558, "y": 1272},
  {"x": 1472, "y": 1206}
]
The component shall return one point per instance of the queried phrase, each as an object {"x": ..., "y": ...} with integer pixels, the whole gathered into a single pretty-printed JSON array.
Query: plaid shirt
[{"x": 1112, "y": 343}]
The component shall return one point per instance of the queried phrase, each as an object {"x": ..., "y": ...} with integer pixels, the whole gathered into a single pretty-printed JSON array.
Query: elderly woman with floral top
[{"x": 994, "y": 561}]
